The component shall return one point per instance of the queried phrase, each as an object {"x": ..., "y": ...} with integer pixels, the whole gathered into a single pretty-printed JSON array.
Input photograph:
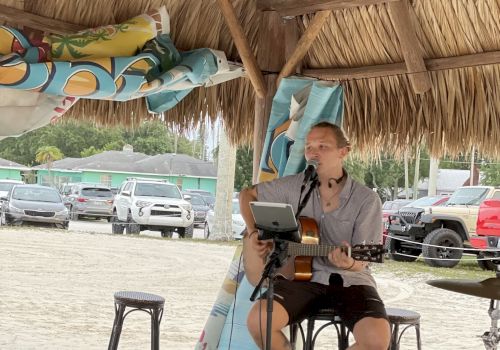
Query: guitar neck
[
  {"x": 299, "y": 249},
  {"x": 362, "y": 252}
]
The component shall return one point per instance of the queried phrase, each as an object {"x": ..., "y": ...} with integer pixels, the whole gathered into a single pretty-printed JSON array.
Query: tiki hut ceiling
[{"x": 412, "y": 70}]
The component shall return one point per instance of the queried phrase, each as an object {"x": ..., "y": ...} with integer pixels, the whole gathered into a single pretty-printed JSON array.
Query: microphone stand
[{"x": 276, "y": 260}]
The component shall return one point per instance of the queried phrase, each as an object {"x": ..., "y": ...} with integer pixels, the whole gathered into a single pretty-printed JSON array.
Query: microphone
[{"x": 310, "y": 171}]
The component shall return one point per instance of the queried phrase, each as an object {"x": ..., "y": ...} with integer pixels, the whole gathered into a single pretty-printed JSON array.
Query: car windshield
[
  {"x": 423, "y": 202},
  {"x": 157, "y": 190},
  {"x": 97, "y": 192},
  {"x": 468, "y": 196},
  {"x": 236, "y": 207},
  {"x": 6, "y": 186},
  {"x": 209, "y": 200},
  {"x": 197, "y": 200},
  {"x": 33, "y": 194}
]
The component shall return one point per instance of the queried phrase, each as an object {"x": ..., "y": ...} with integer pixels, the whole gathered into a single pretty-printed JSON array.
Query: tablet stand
[{"x": 277, "y": 258}]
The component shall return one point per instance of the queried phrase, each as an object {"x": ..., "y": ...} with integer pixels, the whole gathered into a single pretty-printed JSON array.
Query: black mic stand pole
[
  {"x": 302, "y": 204},
  {"x": 275, "y": 261}
]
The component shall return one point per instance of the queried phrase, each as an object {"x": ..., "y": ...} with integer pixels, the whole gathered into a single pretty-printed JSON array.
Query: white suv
[{"x": 147, "y": 204}]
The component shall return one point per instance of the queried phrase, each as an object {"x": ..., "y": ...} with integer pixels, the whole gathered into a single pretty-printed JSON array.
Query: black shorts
[{"x": 300, "y": 299}]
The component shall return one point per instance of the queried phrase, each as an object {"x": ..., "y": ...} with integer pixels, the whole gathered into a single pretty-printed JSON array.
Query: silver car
[
  {"x": 36, "y": 204},
  {"x": 90, "y": 200},
  {"x": 237, "y": 223}
]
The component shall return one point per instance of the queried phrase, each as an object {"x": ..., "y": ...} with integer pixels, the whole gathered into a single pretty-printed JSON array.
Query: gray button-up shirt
[{"x": 357, "y": 220}]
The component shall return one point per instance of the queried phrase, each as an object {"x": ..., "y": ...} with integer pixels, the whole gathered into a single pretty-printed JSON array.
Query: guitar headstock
[{"x": 368, "y": 252}]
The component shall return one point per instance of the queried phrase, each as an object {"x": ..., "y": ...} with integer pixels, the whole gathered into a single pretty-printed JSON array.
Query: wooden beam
[
  {"x": 304, "y": 43},
  {"x": 412, "y": 53},
  {"x": 45, "y": 24},
  {"x": 271, "y": 58},
  {"x": 301, "y": 7},
  {"x": 243, "y": 47},
  {"x": 385, "y": 70}
]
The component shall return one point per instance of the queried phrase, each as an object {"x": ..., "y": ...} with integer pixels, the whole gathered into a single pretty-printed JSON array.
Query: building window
[{"x": 106, "y": 180}]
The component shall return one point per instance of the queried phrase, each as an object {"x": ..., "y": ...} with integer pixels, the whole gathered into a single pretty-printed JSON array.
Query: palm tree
[{"x": 48, "y": 154}]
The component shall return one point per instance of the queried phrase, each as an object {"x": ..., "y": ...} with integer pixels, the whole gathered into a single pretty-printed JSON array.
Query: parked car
[
  {"x": 208, "y": 197},
  {"x": 149, "y": 204},
  {"x": 391, "y": 207},
  {"x": 36, "y": 204},
  {"x": 487, "y": 237},
  {"x": 438, "y": 227},
  {"x": 238, "y": 225},
  {"x": 200, "y": 207},
  {"x": 6, "y": 185},
  {"x": 90, "y": 200},
  {"x": 427, "y": 201}
]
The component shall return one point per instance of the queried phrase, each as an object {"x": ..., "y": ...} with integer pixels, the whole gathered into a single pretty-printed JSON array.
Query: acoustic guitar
[{"x": 300, "y": 255}]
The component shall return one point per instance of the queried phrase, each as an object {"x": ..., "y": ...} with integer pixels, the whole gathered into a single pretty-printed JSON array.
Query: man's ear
[{"x": 344, "y": 151}]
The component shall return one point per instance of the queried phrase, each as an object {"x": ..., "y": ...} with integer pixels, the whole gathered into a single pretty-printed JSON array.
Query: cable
[
  {"x": 234, "y": 303},
  {"x": 446, "y": 259},
  {"x": 494, "y": 250}
]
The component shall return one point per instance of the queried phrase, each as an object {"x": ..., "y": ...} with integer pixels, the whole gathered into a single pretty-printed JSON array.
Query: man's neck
[{"x": 335, "y": 176}]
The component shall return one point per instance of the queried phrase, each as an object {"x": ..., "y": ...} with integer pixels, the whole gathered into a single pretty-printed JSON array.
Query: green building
[
  {"x": 12, "y": 171},
  {"x": 111, "y": 168}
]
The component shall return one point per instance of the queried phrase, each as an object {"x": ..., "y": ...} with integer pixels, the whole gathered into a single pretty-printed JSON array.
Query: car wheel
[
  {"x": 206, "y": 231},
  {"x": 488, "y": 265},
  {"x": 116, "y": 227},
  {"x": 73, "y": 215},
  {"x": 188, "y": 232},
  {"x": 4, "y": 221},
  {"x": 398, "y": 253},
  {"x": 167, "y": 233},
  {"x": 63, "y": 226},
  {"x": 132, "y": 228},
  {"x": 437, "y": 246}
]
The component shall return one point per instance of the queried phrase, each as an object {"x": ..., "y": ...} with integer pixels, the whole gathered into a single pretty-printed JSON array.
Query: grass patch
[{"x": 467, "y": 268}]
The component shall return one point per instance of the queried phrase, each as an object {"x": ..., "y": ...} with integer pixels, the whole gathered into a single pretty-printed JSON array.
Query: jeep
[
  {"x": 148, "y": 204},
  {"x": 438, "y": 233}
]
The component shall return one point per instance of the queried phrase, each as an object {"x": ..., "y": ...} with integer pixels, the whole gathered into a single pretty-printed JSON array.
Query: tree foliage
[
  {"x": 77, "y": 139},
  {"x": 244, "y": 168},
  {"x": 491, "y": 173},
  {"x": 48, "y": 154}
]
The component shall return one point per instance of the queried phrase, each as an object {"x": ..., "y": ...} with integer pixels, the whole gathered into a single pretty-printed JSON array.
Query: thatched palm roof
[{"x": 382, "y": 111}]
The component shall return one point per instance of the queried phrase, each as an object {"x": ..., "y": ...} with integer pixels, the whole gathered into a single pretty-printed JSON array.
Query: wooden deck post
[{"x": 276, "y": 38}]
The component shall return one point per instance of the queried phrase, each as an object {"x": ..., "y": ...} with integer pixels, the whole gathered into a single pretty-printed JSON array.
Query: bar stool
[
  {"x": 402, "y": 317},
  {"x": 150, "y": 303},
  {"x": 397, "y": 317}
]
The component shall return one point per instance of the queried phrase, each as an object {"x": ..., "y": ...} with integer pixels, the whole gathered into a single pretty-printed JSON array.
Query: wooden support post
[
  {"x": 415, "y": 66},
  {"x": 385, "y": 70},
  {"x": 302, "y": 7},
  {"x": 241, "y": 42},
  {"x": 304, "y": 43},
  {"x": 26, "y": 19},
  {"x": 275, "y": 38}
]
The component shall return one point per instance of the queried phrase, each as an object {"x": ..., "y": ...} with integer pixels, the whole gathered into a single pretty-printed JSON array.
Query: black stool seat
[
  {"x": 137, "y": 301},
  {"x": 397, "y": 317},
  {"x": 404, "y": 317}
]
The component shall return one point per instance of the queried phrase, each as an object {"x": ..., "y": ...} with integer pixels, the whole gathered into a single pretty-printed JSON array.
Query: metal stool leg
[
  {"x": 394, "y": 337},
  {"x": 294, "y": 327},
  {"x": 117, "y": 327},
  {"x": 417, "y": 332},
  {"x": 156, "y": 315},
  {"x": 309, "y": 335},
  {"x": 344, "y": 337}
]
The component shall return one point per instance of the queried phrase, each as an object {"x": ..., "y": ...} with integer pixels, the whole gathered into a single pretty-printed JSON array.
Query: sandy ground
[{"x": 56, "y": 292}]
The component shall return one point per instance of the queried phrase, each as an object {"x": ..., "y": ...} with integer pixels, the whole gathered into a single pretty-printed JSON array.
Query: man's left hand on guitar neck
[{"x": 340, "y": 259}]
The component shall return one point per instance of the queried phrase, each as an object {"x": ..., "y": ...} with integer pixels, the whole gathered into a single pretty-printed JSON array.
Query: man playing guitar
[{"x": 347, "y": 213}]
